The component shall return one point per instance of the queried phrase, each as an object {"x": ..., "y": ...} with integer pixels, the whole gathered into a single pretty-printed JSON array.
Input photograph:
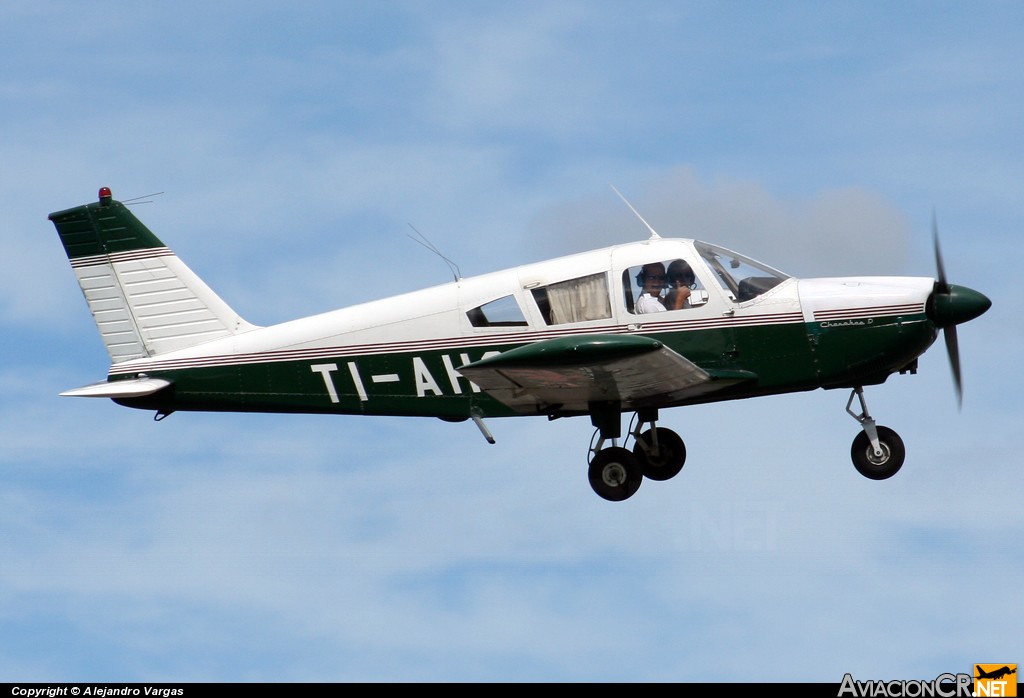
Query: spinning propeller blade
[
  {"x": 949, "y": 332},
  {"x": 942, "y": 286},
  {"x": 949, "y": 306},
  {"x": 953, "y": 349}
]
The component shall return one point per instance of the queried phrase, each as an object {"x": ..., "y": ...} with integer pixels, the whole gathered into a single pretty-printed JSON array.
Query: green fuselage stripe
[{"x": 786, "y": 357}]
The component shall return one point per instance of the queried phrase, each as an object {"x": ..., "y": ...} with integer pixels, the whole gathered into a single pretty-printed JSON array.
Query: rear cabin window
[
  {"x": 503, "y": 312},
  {"x": 575, "y": 300}
]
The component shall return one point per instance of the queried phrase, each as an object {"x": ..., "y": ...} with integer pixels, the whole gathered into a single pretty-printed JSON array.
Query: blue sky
[{"x": 294, "y": 145}]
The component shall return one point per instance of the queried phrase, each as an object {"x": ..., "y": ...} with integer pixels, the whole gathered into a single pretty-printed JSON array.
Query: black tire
[
  {"x": 671, "y": 454},
  {"x": 615, "y": 474},
  {"x": 878, "y": 468}
]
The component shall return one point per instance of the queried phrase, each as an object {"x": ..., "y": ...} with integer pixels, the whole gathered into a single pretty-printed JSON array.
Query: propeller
[
  {"x": 949, "y": 306},
  {"x": 948, "y": 332}
]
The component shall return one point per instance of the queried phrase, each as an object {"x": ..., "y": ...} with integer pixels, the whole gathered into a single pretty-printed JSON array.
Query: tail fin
[{"x": 144, "y": 299}]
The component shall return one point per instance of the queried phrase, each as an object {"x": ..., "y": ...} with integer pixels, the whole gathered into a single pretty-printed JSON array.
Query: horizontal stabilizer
[{"x": 136, "y": 387}]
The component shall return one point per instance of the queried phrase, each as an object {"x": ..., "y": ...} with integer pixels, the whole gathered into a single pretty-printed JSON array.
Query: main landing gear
[
  {"x": 877, "y": 452},
  {"x": 616, "y": 472}
]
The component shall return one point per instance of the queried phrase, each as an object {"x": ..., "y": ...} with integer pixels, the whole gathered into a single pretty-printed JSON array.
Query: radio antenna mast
[
  {"x": 452, "y": 266},
  {"x": 654, "y": 234}
]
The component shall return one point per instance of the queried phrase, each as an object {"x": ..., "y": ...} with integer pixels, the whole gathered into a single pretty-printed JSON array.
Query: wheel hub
[
  {"x": 878, "y": 459},
  {"x": 613, "y": 474}
]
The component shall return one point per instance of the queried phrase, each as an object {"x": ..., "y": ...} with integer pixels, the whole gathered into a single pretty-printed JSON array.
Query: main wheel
[
  {"x": 615, "y": 474},
  {"x": 671, "y": 454},
  {"x": 878, "y": 467}
]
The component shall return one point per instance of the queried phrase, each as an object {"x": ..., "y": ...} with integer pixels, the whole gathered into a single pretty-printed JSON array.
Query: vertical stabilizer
[{"x": 144, "y": 299}]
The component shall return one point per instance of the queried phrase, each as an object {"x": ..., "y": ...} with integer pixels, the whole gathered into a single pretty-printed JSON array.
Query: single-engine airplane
[{"x": 633, "y": 328}]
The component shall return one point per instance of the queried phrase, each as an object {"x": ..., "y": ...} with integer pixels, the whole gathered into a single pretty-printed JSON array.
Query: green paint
[
  {"x": 96, "y": 229},
  {"x": 784, "y": 358},
  {"x": 573, "y": 350}
]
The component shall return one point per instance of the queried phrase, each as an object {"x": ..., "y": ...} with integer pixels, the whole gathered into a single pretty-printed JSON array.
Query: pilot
[
  {"x": 652, "y": 279},
  {"x": 680, "y": 280}
]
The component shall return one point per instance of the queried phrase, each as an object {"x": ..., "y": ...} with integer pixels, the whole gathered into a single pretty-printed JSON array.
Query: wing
[{"x": 567, "y": 374}]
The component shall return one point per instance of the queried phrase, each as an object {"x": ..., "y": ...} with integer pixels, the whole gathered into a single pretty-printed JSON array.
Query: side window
[
  {"x": 504, "y": 312},
  {"x": 575, "y": 300},
  {"x": 662, "y": 285}
]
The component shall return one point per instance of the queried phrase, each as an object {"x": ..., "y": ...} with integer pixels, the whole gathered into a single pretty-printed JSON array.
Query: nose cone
[{"x": 957, "y": 305}]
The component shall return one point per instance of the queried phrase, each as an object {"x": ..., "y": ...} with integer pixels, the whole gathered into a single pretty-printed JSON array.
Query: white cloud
[{"x": 838, "y": 232}]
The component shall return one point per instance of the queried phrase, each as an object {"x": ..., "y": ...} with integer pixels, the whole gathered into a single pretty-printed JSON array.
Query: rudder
[{"x": 145, "y": 300}]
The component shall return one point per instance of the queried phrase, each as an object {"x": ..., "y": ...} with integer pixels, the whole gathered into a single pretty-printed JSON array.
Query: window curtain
[{"x": 580, "y": 299}]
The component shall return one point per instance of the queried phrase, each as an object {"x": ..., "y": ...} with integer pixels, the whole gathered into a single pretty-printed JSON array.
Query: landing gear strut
[
  {"x": 616, "y": 473},
  {"x": 878, "y": 451}
]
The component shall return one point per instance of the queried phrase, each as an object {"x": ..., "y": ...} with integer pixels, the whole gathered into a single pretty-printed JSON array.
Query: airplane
[
  {"x": 997, "y": 674},
  {"x": 565, "y": 337}
]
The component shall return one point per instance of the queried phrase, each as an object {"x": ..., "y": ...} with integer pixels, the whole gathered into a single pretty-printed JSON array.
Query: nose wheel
[
  {"x": 883, "y": 463},
  {"x": 877, "y": 452}
]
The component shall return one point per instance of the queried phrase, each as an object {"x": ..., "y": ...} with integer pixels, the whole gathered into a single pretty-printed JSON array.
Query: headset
[
  {"x": 641, "y": 274},
  {"x": 686, "y": 273}
]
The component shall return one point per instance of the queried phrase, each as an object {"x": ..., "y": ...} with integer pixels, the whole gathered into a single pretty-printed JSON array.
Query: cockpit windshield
[{"x": 741, "y": 277}]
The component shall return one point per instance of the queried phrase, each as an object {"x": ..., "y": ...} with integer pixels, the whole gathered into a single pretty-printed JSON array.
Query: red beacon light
[{"x": 105, "y": 196}]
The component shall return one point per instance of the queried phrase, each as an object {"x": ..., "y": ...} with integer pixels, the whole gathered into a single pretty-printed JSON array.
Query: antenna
[
  {"x": 654, "y": 235},
  {"x": 138, "y": 199},
  {"x": 456, "y": 272}
]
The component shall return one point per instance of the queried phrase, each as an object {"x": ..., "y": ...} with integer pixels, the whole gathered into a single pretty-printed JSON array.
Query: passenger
[
  {"x": 680, "y": 280},
  {"x": 652, "y": 279}
]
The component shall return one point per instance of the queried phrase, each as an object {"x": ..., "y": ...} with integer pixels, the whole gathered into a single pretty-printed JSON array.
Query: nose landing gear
[{"x": 877, "y": 452}]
